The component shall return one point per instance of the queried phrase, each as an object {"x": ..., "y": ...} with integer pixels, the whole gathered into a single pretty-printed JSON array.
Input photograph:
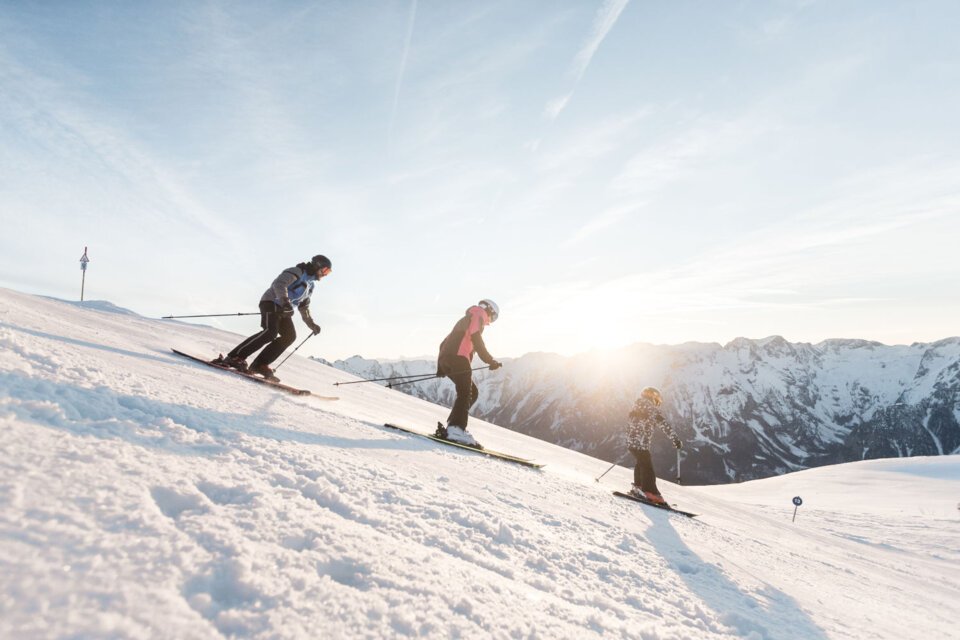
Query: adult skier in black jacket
[{"x": 292, "y": 288}]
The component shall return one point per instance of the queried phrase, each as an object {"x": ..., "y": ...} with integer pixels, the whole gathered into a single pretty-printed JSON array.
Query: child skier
[{"x": 644, "y": 416}]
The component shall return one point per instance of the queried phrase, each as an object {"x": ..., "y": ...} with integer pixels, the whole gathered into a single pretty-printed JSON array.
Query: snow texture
[{"x": 146, "y": 496}]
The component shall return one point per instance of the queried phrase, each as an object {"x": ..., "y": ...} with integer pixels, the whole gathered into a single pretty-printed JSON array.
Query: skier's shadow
[
  {"x": 769, "y": 613},
  {"x": 140, "y": 420}
]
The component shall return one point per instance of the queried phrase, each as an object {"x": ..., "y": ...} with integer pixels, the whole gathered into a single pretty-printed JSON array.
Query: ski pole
[
  {"x": 391, "y": 385},
  {"x": 294, "y": 351},
  {"x": 416, "y": 375},
  {"x": 211, "y": 315},
  {"x": 597, "y": 479}
]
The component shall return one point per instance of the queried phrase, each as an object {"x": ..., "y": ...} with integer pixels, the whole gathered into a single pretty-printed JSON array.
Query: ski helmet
[
  {"x": 653, "y": 394},
  {"x": 491, "y": 308},
  {"x": 319, "y": 263}
]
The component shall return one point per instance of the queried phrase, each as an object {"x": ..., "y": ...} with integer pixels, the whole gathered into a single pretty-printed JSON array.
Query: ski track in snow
[{"x": 145, "y": 496}]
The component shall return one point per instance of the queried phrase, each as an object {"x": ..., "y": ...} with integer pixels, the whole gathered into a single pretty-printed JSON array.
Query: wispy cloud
[
  {"x": 411, "y": 20},
  {"x": 555, "y": 106},
  {"x": 606, "y": 17},
  {"x": 656, "y": 166},
  {"x": 813, "y": 250},
  {"x": 811, "y": 262},
  {"x": 604, "y": 20},
  {"x": 570, "y": 156},
  {"x": 605, "y": 220},
  {"x": 579, "y": 148},
  {"x": 78, "y": 135}
]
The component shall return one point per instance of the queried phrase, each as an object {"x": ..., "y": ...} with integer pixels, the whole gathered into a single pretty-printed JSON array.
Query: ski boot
[
  {"x": 655, "y": 498},
  {"x": 237, "y": 363},
  {"x": 263, "y": 370},
  {"x": 461, "y": 436}
]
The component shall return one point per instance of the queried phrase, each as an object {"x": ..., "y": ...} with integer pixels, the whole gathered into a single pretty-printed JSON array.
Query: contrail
[
  {"x": 403, "y": 67},
  {"x": 603, "y": 22}
]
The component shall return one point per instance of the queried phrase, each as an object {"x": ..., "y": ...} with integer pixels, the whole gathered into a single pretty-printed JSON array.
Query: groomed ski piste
[{"x": 145, "y": 496}]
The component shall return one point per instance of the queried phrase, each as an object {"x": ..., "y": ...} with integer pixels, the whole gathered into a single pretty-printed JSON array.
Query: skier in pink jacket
[{"x": 454, "y": 362}]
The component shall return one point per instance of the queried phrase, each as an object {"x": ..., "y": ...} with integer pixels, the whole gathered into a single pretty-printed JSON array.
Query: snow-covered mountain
[
  {"x": 749, "y": 409},
  {"x": 143, "y": 495}
]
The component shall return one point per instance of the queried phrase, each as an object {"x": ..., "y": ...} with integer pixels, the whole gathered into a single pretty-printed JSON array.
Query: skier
[
  {"x": 644, "y": 416},
  {"x": 454, "y": 362},
  {"x": 293, "y": 287}
]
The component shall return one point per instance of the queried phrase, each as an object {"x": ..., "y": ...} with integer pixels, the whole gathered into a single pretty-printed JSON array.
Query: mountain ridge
[{"x": 748, "y": 409}]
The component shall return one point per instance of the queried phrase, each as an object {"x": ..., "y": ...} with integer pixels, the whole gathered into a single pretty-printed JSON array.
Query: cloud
[
  {"x": 654, "y": 167},
  {"x": 605, "y": 220},
  {"x": 606, "y": 17},
  {"x": 81, "y": 140},
  {"x": 572, "y": 157},
  {"x": 604, "y": 20},
  {"x": 555, "y": 106},
  {"x": 411, "y": 20},
  {"x": 831, "y": 261}
]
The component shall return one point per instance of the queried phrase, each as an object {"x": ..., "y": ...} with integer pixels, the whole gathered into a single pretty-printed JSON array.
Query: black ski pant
[
  {"x": 643, "y": 475},
  {"x": 277, "y": 333},
  {"x": 457, "y": 368}
]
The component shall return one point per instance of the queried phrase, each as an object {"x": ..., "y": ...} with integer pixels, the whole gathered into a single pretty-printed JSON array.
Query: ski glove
[
  {"x": 286, "y": 310},
  {"x": 495, "y": 365},
  {"x": 313, "y": 326},
  {"x": 677, "y": 443}
]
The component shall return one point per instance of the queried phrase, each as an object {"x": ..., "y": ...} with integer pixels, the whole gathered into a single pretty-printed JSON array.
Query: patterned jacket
[{"x": 643, "y": 418}]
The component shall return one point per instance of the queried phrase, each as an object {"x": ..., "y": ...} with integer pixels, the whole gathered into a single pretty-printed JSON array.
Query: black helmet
[{"x": 319, "y": 263}]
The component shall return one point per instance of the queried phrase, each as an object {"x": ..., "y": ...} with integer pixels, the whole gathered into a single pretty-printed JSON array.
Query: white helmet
[
  {"x": 653, "y": 394},
  {"x": 491, "y": 308}
]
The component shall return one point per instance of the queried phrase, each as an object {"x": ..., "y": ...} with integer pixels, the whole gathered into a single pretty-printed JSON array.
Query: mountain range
[{"x": 745, "y": 410}]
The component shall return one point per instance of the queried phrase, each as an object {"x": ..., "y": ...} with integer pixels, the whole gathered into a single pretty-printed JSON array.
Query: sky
[
  {"x": 608, "y": 172},
  {"x": 146, "y": 496}
]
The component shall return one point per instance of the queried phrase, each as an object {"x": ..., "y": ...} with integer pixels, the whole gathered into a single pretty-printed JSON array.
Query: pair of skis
[
  {"x": 665, "y": 507},
  {"x": 306, "y": 392},
  {"x": 487, "y": 452},
  {"x": 526, "y": 463},
  {"x": 249, "y": 376}
]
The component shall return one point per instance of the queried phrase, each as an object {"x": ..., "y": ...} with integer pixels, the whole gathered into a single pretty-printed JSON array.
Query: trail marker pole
[
  {"x": 84, "y": 260},
  {"x": 797, "y": 501}
]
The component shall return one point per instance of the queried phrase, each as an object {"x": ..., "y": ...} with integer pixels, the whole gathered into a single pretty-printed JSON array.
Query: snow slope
[{"x": 143, "y": 496}]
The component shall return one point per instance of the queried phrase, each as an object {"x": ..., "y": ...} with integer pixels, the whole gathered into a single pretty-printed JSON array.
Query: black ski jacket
[{"x": 465, "y": 339}]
